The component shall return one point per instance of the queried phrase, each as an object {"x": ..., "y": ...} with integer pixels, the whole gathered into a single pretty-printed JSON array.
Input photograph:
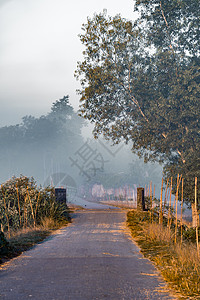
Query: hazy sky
[{"x": 39, "y": 49}]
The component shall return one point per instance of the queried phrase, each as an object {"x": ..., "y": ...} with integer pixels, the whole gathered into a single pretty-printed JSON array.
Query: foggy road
[{"x": 92, "y": 258}]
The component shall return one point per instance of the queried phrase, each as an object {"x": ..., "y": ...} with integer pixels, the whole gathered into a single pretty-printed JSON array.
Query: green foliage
[
  {"x": 140, "y": 83},
  {"x": 4, "y": 245},
  {"x": 24, "y": 204},
  {"x": 171, "y": 22},
  {"x": 189, "y": 234}
]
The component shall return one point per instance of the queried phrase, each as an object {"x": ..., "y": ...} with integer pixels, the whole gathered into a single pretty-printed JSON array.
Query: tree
[
  {"x": 174, "y": 25},
  {"x": 171, "y": 24},
  {"x": 136, "y": 87},
  {"x": 68, "y": 122},
  {"x": 38, "y": 146}
]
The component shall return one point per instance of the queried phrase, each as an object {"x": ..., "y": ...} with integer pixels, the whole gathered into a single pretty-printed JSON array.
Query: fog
[
  {"x": 58, "y": 149},
  {"x": 40, "y": 48}
]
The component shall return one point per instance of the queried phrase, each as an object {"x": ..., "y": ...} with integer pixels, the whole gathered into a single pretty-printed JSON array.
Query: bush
[
  {"x": 23, "y": 204},
  {"x": 4, "y": 245}
]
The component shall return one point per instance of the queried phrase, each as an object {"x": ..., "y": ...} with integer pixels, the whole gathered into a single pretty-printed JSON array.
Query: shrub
[
  {"x": 4, "y": 245},
  {"x": 24, "y": 204}
]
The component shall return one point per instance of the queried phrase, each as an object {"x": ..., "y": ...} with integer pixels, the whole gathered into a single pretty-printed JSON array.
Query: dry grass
[
  {"x": 183, "y": 269},
  {"x": 157, "y": 232},
  {"x": 178, "y": 263},
  {"x": 49, "y": 223},
  {"x": 25, "y": 238},
  {"x": 121, "y": 204},
  {"x": 22, "y": 232}
]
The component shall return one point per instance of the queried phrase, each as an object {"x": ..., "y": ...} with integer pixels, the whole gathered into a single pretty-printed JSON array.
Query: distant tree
[
  {"x": 63, "y": 116},
  {"x": 136, "y": 86},
  {"x": 62, "y": 107},
  {"x": 35, "y": 142},
  {"x": 39, "y": 129},
  {"x": 62, "y": 121}
]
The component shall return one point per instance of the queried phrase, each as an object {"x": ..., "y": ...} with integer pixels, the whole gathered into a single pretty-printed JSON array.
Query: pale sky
[{"x": 39, "y": 50}]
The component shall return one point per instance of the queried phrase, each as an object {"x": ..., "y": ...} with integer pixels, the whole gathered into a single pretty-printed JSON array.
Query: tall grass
[
  {"x": 28, "y": 213},
  {"x": 166, "y": 209},
  {"x": 178, "y": 262},
  {"x": 23, "y": 204}
]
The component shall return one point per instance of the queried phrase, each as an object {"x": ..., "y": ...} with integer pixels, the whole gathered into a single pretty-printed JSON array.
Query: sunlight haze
[{"x": 40, "y": 48}]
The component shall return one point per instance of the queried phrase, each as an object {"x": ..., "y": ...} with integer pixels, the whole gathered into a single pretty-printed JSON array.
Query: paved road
[{"x": 92, "y": 258}]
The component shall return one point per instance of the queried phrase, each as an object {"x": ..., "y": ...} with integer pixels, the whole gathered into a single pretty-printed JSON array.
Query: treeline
[{"x": 37, "y": 145}]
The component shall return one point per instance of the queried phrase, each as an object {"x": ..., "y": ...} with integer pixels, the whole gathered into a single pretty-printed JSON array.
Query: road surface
[{"x": 92, "y": 258}]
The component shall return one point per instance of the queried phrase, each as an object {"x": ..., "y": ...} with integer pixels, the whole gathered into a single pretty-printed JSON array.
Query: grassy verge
[
  {"x": 120, "y": 204},
  {"x": 24, "y": 239},
  {"x": 28, "y": 214},
  {"x": 178, "y": 263}
]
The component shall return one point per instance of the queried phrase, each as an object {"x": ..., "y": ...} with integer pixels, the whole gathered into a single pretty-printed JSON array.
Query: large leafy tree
[
  {"x": 173, "y": 24},
  {"x": 140, "y": 82}
]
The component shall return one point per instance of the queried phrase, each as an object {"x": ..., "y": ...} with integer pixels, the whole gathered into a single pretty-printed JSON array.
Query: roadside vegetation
[
  {"x": 28, "y": 214},
  {"x": 178, "y": 261}
]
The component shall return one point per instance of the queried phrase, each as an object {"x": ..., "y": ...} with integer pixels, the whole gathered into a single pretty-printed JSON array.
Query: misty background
[
  {"x": 40, "y": 130},
  {"x": 55, "y": 150},
  {"x": 39, "y": 50}
]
